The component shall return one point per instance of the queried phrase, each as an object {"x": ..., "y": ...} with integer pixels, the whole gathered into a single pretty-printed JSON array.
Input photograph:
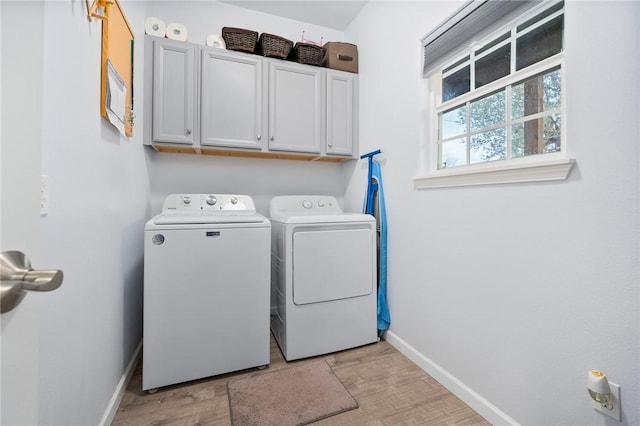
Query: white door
[{"x": 21, "y": 75}]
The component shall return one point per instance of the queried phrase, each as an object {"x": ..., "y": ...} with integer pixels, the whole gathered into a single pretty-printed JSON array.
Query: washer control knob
[
  {"x": 306, "y": 204},
  {"x": 320, "y": 203},
  {"x": 234, "y": 200},
  {"x": 186, "y": 200},
  {"x": 212, "y": 200}
]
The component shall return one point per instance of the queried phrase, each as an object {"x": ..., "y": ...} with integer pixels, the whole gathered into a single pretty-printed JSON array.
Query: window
[
  {"x": 482, "y": 130},
  {"x": 499, "y": 103}
]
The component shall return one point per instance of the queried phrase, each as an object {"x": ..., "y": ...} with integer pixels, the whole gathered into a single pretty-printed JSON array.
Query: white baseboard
[
  {"x": 483, "y": 407},
  {"x": 112, "y": 407}
]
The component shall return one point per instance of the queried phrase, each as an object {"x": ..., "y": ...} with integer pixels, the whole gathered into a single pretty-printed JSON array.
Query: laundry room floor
[{"x": 389, "y": 388}]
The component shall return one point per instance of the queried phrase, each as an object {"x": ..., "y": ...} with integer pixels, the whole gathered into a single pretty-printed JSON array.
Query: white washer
[
  {"x": 323, "y": 276},
  {"x": 206, "y": 289}
]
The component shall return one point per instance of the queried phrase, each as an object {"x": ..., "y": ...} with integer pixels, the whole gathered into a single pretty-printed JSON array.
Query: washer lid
[
  {"x": 193, "y": 209},
  {"x": 181, "y": 218}
]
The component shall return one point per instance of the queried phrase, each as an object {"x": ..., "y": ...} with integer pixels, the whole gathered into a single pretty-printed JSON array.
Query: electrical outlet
[
  {"x": 615, "y": 409},
  {"x": 44, "y": 195}
]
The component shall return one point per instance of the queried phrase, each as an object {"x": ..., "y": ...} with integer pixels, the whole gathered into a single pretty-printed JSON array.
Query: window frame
[{"x": 539, "y": 167}]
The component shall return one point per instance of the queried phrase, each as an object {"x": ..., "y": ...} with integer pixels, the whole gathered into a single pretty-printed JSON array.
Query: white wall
[
  {"x": 99, "y": 201},
  {"x": 260, "y": 178},
  {"x": 509, "y": 294}
]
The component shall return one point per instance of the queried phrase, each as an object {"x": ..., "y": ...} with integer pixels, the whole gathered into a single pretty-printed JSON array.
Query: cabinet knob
[
  {"x": 330, "y": 145},
  {"x": 259, "y": 137},
  {"x": 188, "y": 132},
  {"x": 272, "y": 139}
]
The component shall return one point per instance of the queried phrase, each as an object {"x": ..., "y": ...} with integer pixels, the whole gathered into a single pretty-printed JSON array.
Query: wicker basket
[
  {"x": 274, "y": 46},
  {"x": 306, "y": 53},
  {"x": 240, "y": 39}
]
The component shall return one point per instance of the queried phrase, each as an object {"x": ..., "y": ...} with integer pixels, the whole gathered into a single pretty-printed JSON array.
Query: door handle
[{"x": 17, "y": 275}]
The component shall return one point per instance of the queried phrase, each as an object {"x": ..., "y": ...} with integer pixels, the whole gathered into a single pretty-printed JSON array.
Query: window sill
[{"x": 532, "y": 172}]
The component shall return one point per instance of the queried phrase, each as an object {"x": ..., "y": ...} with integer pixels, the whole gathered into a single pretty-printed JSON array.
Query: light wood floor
[{"x": 389, "y": 388}]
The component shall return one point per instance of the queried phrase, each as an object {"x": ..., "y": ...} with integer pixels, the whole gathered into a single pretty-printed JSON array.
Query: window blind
[{"x": 473, "y": 18}]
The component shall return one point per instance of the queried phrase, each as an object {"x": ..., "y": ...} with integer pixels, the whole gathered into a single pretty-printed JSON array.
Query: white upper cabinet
[
  {"x": 207, "y": 100},
  {"x": 232, "y": 100},
  {"x": 174, "y": 92},
  {"x": 295, "y": 107},
  {"x": 342, "y": 122}
]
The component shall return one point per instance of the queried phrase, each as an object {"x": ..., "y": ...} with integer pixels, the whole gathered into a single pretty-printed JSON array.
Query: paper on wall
[{"x": 116, "y": 98}]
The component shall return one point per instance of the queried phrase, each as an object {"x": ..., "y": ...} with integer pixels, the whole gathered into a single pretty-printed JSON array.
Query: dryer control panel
[
  {"x": 209, "y": 203},
  {"x": 302, "y": 204}
]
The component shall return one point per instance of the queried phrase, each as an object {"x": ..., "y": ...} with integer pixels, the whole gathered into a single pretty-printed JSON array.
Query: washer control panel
[
  {"x": 312, "y": 204},
  {"x": 209, "y": 203}
]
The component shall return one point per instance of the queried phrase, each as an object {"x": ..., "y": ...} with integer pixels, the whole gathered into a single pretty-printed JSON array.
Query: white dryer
[
  {"x": 323, "y": 276},
  {"x": 206, "y": 289}
]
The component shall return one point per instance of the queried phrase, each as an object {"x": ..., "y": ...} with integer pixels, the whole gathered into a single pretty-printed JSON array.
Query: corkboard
[{"x": 117, "y": 47}]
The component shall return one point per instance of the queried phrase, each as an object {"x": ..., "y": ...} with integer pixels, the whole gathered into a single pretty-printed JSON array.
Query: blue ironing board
[{"x": 374, "y": 205}]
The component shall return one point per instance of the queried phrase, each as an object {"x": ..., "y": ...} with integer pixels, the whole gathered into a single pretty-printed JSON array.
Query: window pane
[
  {"x": 552, "y": 134},
  {"x": 537, "y": 94},
  {"x": 453, "y": 153},
  {"x": 456, "y": 64},
  {"x": 552, "y": 90},
  {"x": 488, "y": 146},
  {"x": 456, "y": 84},
  {"x": 495, "y": 65},
  {"x": 453, "y": 123},
  {"x": 538, "y": 136},
  {"x": 540, "y": 43},
  {"x": 517, "y": 140},
  {"x": 541, "y": 16},
  {"x": 493, "y": 42},
  {"x": 488, "y": 111}
]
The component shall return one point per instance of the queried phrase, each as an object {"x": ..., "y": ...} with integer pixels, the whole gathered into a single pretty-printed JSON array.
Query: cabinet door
[
  {"x": 295, "y": 107},
  {"x": 340, "y": 112},
  {"x": 174, "y": 92},
  {"x": 232, "y": 95}
]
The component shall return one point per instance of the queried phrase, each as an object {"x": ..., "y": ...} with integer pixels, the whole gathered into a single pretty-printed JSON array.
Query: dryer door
[{"x": 333, "y": 264}]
